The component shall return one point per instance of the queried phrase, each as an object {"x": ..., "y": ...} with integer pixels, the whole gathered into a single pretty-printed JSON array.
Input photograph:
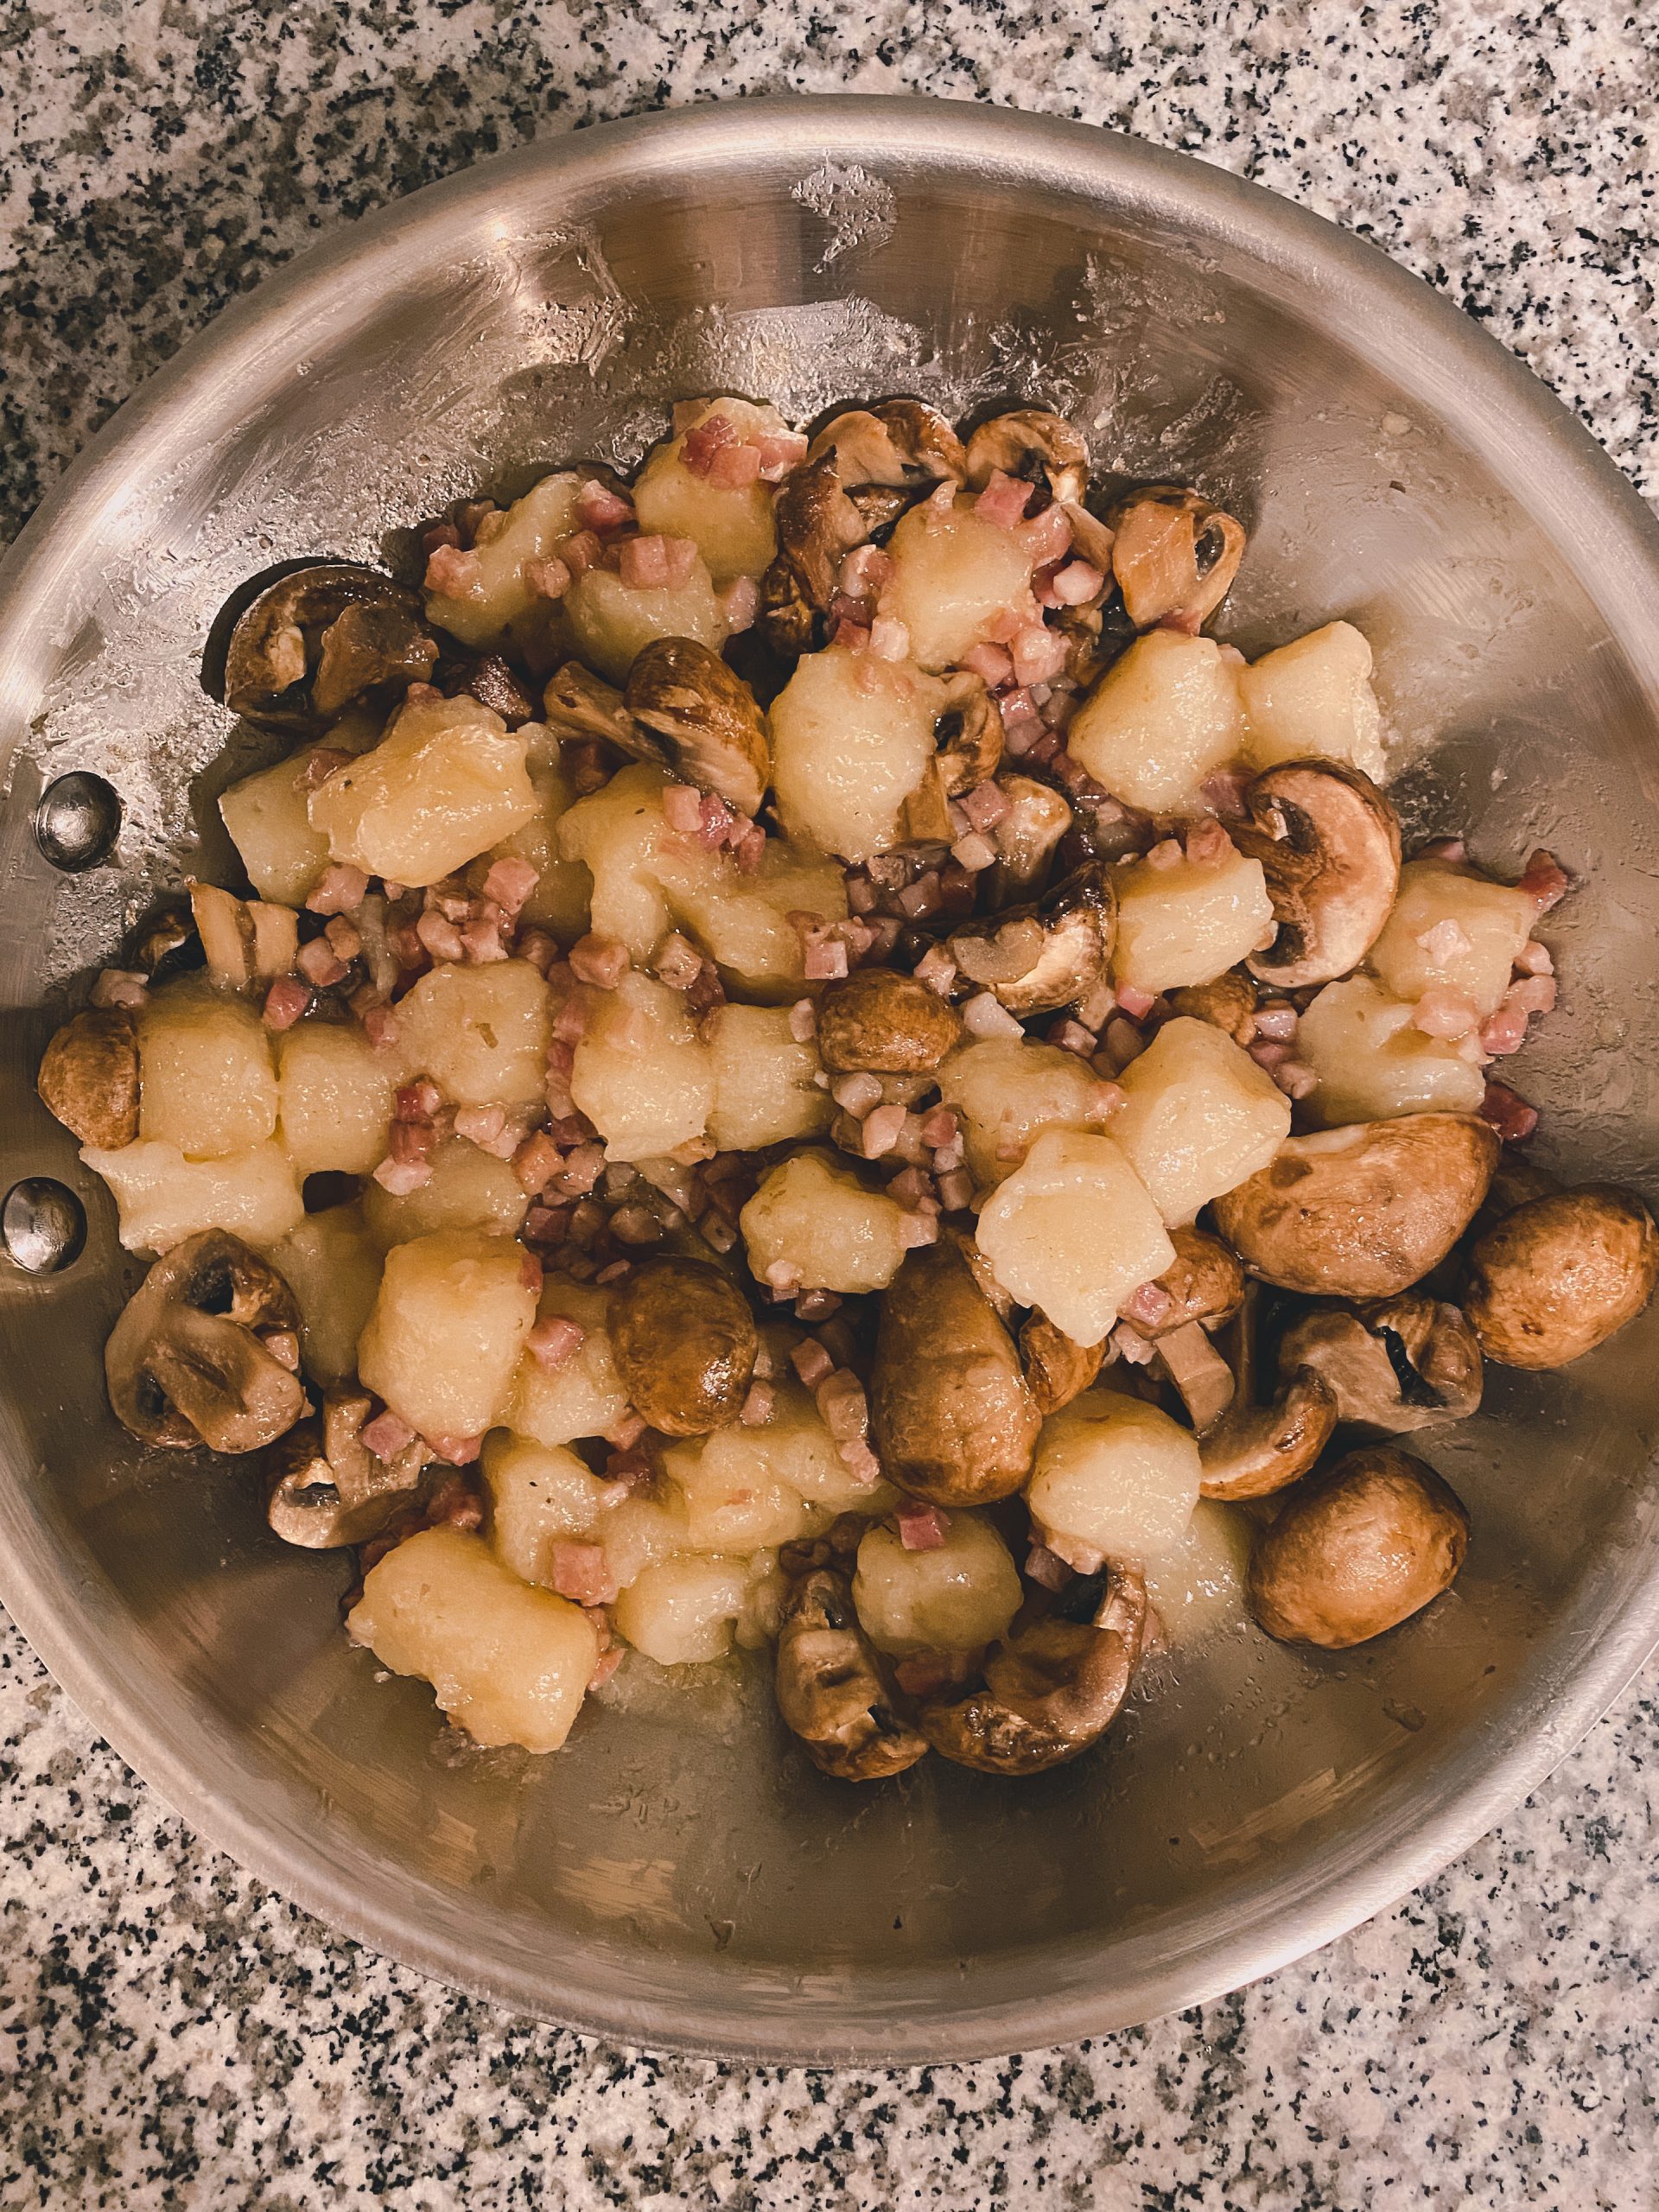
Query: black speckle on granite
[{"x": 173, "y": 2034}]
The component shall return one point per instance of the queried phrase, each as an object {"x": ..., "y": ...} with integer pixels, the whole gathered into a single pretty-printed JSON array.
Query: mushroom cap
[
  {"x": 1031, "y": 442},
  {"x": 885, "y": 1022},
  {"x": 578, "y": 703},
  {"x": 710, "y": 731},
  {"x": 1174, "y": 555},
  {"x": 829, "y": 1687},
  {"x": 951, "y": 1416},
  {"x": 968, "y": 732},
  {"x": 1038, "y": 957},
  {"x": 318, "y": 638},
  {"x": 817, "y": 526},
  {"x": 1362, "y": 1212},
  {"x": 1357, "y": 1550},
  {"x": 494, "y": 684},
  {"x": 183, "y": 1363},
  {"x": 685, "y": 1343},
  {"x": 1028, "y": 838},
  {"x": 1206, "y": 1283},
  {"x": 89, "y": 1076},
  {"x": 1057, "y": 1369},
  {"x": 1228, "y": 1003},
  {"x": 1402, "y": 1364},
  {"x": 901, "y": 444},
  {"x": 1329, "y": 845},
  {"x": 1560, "y": 1273},
  {"x": 1256, "y": 1450}
]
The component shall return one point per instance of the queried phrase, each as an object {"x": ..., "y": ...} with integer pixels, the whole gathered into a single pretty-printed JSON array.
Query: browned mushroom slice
[
  {"x": 829, "y": 1687},
  {"x": 1204, "y": 1284},
  {"x": 1357, "y": 1550},
  {"x": 185, "y": 1363},
  {"x": 1032, "y": 443},
  {"x": 902, "y": 444},
  {"x": 577, "y": 703},
  {"x": 1402, "y": 1364},
  {"x": 1256, "y": 1450},
  {"x": 320, "y": 638},
  {"x": 495, "y": 684},
  {"x": 968, "y": 733},
  {"x": 1228, "y": 1003},
  {"x": 684, "y": 1343},
  {"x": 329, "y": 1490},
  {"x": 1560, "y": 1273},
  {"x": 1027, "y": 839},
  {"x": 885, "y": 1023},
  {"x": 1329, "y": 844},
  {"x": 246, "y": 941},
  {"x": 89, "y": 1076},
  {"x": 817, "y": 527},
  {"x": 1057, "y": 1369},
  {"x": 1037, "y": 958},
  {"x": 1051, "y": 1689},
  {"x": 710, "y": 731},
  {"x": 1174, "y": 555},
  {"x": 1199, "y": 1372}
]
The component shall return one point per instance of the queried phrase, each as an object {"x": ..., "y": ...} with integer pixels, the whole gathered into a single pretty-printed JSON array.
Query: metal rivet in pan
[
  {"x": 77, "y": 820},
  {"x": 43, "y": 1226}
]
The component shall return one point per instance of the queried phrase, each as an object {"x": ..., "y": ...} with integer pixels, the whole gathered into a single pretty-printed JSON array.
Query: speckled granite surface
[{"x": 172, "y": 2034}]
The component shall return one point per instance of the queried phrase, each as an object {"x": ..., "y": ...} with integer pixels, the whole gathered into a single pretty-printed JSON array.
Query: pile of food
[{"x": 804, "y": 1062}]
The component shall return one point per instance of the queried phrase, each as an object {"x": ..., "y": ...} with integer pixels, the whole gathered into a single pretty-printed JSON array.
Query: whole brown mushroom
[
  {"x": 829, "y": 1687},
  {"x": 881, "y": 1021},
  {"x": 684, "y": 1343},
  {"x": 1256, "y": 1450},
  {"x": 1357, "y": 1550},
  {"x": 1560, "y": 1274},
  {"x": 89, "y": 1076}
]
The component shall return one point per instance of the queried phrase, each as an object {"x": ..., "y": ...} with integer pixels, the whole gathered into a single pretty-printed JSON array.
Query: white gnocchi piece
[
  {"x": 1116, "y": 1476},
  {"x": 619, "y": 833},
  {"x": 794, "y": 1446},
  {"x": 206, "y": 1083},
  {"x": 1311, "y": 700},
  {"x": 1371, "y": 1064},
  {"x": 766, "y": 1088},
  {"x": 333, "y": 1266},
  {"x": 814, "y": 1225},
  {"x": 611, "y": 622},
  {"x": 852, "y": 737},
  {"x": 508, "y": 1663},
  {"x": 446, "y": 781},
  {"x": 268, "y": 816},
  {"x": 1162, "y": 718},
  {"x": 1200, "y": 1117},
  {"x": 1075, "y": 1231},
  {"x": 1006, "y": 1090},
  {"x": 442, "y": 1343},
  {"x": 645, "y": 1530},
  {"x": 561, "y": 902},
  {"x": 481, "y": 1034},
  {"x": 741, "y": 919},
  {"x": 731, "y": 526},
  {"x": 641, "y": 1075},
  {"x": 497, "y": 596},
  {"x": 335, "y": 1098},
  {"x": 582, "y": 1397},
  {"x": 539, "y": 1496},
  {"x": 468, "y": 1189},
  {"x": 956, "y": 580},
  {"x": 734, "y": 1502},
  {"x": 681, "y": 1611},
  {"x": 955, "y": 1597},
  {"x": 1189, "y": 922},
  {"x": 162, "y": 1197},
  {"x": 1197, "y": 1587},
  {"x": 1452, "y": 929}
]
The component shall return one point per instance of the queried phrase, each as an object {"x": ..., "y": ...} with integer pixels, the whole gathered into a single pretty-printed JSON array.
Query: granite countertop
[{"x": 173, "y": 2034}]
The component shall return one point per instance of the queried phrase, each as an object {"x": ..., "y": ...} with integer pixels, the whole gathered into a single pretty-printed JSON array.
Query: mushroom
[
  {"x": 1199, "y": 1372},
  {"x": 89, "y": 1076},
  {"x": 1256, "y": 1450},
  {"x": 968, "y": 733},
  {"x": 1394, "y": 1366},
  {"x": 1174, "y": 555},
  {"x": 329, "y": 1489},
  {"x": 1035, "y": 958},
  {"x": 951, "y": 1416},
  {"x": 1329, "y": 844},
  {"x": 1560, "y": 1274},
  {"x": 885, "y": 1022},
  {"x": 185, "y": 1362},
  {"x": 319, "y": 637},
  {"x": 1204, "y": 1283},
  {"x": 685, "y": 1343},
  {"x": 829, "y": 1687},
  {"x": 817, "y": 527},
  {"x": 246, "y": 940},
  {"x": 577, "y": 703},
  {"x": 1357, "y": 1550},
  {"x": 1030, "y": 442},
  {"x": 495, "y": 684},
  {"x": 1362, "y": 1211},
  {"x": 708, "y": 728},
  {"x": 1228, "y": 1003},
  {"x": 1052, "y": 1688},
  {"x": 902, "y": 444},
  {"x": 1057, "y": 1369},
  {"x": 165, "y": 944},
  {"x": 1027, "y": 839}
]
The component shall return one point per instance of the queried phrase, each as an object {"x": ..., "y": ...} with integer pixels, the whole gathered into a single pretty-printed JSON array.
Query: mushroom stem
[{"x": 1199, "y": 1372}]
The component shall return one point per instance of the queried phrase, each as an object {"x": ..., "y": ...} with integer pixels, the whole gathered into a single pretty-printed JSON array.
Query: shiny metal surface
[{"x": 674, "y": 1878}]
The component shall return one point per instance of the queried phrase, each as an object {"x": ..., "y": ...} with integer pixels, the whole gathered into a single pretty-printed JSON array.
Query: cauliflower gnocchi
[{"x": 603, "y": 1288}]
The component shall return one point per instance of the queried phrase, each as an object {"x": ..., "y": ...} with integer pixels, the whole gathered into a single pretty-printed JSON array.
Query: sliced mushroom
[
  {"x": 495, "y": 684},
  {"x": 711, "y": 733},
  {"x": 329, "y": 1489},
  {"x": 1399, "y": 1365},
  {"x": 1027, "y": 839},
  {"x": 577, "y": 703},
  {"x": 1228, "y": 1003},
  {"x": 1204, "y": 1284},
  {"x": 1257, "y": 1450},
  {"x": 318, "y": 638},
  {"x": 1329, "y": 844},
  {"x": 166, "y": 943},
  {"x": 185, "y": 1362},
  {"x": 951, "y": 1417},
  {"x": 1051, "y": 1689},
  {"x": 1357, "y": 1550},
  {"x": 1560, "y": 1274},
  {"x": 246, "y": 940},
  {"x": 902, "y": 444},
  {"x": 684, "y": 1343},
  {"x": 968, "y": 733},
  {"x": 1363, "y": 1211},
  {"x": 1174, "y": 555},
  {"x": 817, "y": 527},
  {"x": 829, "y": 1687},
  {"x": 885, "y": 1022},
  {"x": 1032, "y": 443},
  {"x": 1199, "y": 1372},
  {"x": 1036, "y": 959},
  {"x": 89, "y": 1076},
  {"x": 1058, "y": 1369}
]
